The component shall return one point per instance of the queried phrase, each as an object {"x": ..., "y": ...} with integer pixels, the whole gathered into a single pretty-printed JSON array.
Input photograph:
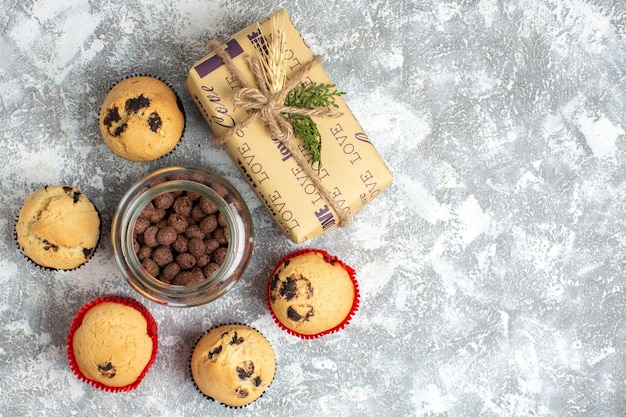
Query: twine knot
[
  {"x": 267, "y": 108},
  {"x": 252, "y": 99}
]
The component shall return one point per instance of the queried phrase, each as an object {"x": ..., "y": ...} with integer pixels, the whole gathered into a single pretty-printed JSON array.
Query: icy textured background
[{"x": 492, "y": 270}]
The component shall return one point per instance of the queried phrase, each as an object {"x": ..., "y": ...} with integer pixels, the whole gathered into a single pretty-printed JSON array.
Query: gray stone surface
[{"x": 492, "y": 270}]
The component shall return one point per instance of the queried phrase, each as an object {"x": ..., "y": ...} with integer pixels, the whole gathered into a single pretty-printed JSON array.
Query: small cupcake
[
  {"x": 311, "y": 293},
  {"x": 233, "y": 364},
  {"x": 112, "y": 343},
  {"x": 58, "y": 227},
  {"x": 141, "y": 119}
]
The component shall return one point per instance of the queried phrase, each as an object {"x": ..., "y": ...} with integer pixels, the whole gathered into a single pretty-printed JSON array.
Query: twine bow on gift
[{"x": 268, "y": 106}]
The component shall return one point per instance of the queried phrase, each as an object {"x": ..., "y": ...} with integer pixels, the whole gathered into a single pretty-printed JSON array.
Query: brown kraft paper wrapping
[{"x": 352, "y": 170}]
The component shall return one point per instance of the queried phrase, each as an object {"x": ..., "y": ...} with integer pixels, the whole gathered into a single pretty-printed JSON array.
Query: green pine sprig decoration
[{"x": 310, "y": 96}]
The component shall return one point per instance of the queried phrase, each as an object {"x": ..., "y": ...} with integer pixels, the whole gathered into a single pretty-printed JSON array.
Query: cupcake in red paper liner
[
  {"x": 233, "y": 364},
  {"x": 112, "y": 343},
  {"x": 311, "y": 293}
]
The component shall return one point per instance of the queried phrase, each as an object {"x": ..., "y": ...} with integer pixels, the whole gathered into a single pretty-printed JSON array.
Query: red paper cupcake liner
[
  {"x": 208, "y": 397},
  {"x": 331, "y": 260},
  {"x": 78, "y": 320}
]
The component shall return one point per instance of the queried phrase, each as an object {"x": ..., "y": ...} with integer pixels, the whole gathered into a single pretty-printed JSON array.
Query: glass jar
[{"x": 194, "y": 182}]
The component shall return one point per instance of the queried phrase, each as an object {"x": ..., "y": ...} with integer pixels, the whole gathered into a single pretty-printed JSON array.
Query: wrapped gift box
[{"x": 352, "y": 171}]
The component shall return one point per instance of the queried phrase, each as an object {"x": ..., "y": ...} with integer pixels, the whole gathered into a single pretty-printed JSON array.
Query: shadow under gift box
[{"x": 352, "y": 171}]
